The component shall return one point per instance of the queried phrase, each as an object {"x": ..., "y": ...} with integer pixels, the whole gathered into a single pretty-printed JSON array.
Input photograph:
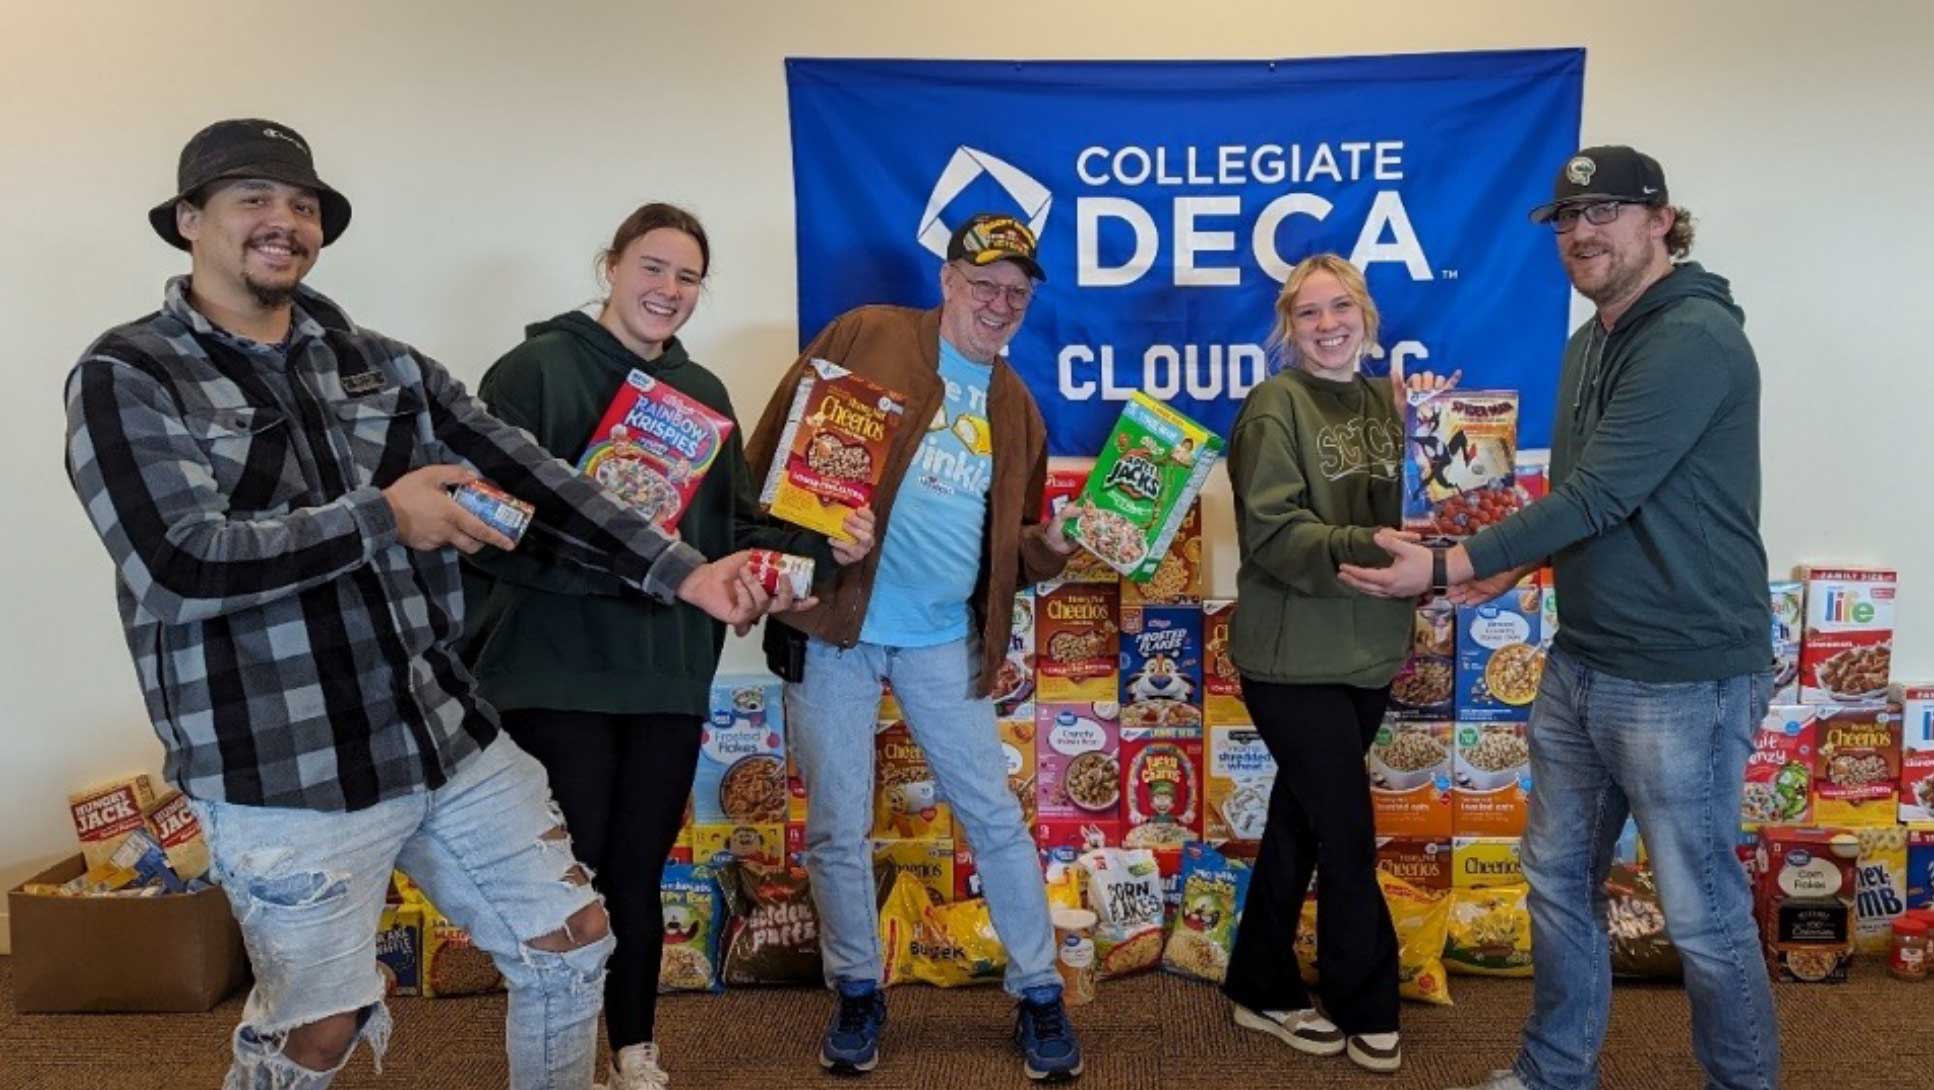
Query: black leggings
[
  {"x": 1319, "y": 820},
  {"x": 622, "y": 781}
]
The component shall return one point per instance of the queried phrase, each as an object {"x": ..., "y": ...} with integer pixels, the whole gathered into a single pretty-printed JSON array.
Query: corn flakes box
[
  {"x": 1077, "y": 643},
  {"x": 1064, "y": 486},
  {"x": 1221, "y": 681},
  {"x": 1788, "y": 598},
  {"x": 1148, "y": 473},
  {"x": 653, "y": 447},
  {"x": 1426, "y": 686},
  {"x": 1847, "y": 643},
  {"x": 1424, "y": 862},
  {"x": 1856, "y": 769},
  {"x": 741, "y": 774},
  {"x": 1409, "y": 765},
  {"x": 1499, "y": 661},
  {"x": 1239, "y": 774},
  {"x": 1161, "y": 792},
  {"x": 930, "y": 862},
  {"x": 832, "y": 450},
  {"x": 1481, "y": 862},
  {"x": 1779, "y": 771},
  {"x": 1460, "y": 465},
  {"x": 1492, "y": 774},
  {"x": 906, "y": 798},
  {"x": 1176, "y": 579},
  {"x": 1014, "y": 684},
  {"x": 1161, "y": 671},
  {"x": 1077, "y": 752}
]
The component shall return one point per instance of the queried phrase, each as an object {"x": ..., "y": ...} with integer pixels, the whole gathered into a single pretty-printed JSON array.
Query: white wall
[{"x": 489, "y": 146}]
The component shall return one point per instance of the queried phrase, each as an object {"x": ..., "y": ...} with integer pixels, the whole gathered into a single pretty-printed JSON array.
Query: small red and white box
[
  {"x": 768, "y": 567},
  {"x": 1916, "y": 752},
  {"x": 1846, "y": 647}
]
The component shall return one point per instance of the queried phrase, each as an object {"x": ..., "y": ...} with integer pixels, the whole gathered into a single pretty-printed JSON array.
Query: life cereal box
[
  {"x": 1410, "y": 779},
  {"x": 1424, "y": 688},
  {"x": 1176, "y": 579},
  {"x": 1078, "y": 762},
  {"x": 1161, "y": 671},
  {"x": 1014, "y": 684},
  {"x": 1077, "y": 643},
  {"x": 1161, "y": 791},
  {"x": 1460, "y": 461},
  {"x": 1149, "y": 471},
  {"x": 1916, "y": 752},
  {"x": 1421, "y": 861},
  {"x": 1499, "y": 662},
  {"x": 833, "y": 448},
  {"x": 653, "y": 447},
  {"x": 741, "y": 775},
  {"x": 1880, "y": 887},
  {"x": 1221, "y": 681},
  {"x": 1779, "y": 771},
  {"x": 906, "y": 799},
  {"x": 1856, "y": 769},
  {"x": 1485, "y": 862},
  {"x": 1063, "y": 487},
  {"x": 1493, "y": 779},
  {"x": 105, "y": 815},
  {"x": 1239, "y": 774},
  {"x": 1788, "y": 599},
  {"x": 1846, "y": 646}
]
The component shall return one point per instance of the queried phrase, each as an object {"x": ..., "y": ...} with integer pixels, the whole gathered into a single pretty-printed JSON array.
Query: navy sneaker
[
  {"x": 852, "y": 1043},
  {"x": 1045, "y": 1037}
]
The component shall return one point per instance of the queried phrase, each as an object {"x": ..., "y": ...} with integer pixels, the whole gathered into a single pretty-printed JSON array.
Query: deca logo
[{"x": 966, "y": 166}]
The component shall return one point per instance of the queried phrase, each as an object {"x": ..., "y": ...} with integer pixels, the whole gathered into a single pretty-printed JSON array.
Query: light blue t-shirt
[{"x": 930, "y": 559}]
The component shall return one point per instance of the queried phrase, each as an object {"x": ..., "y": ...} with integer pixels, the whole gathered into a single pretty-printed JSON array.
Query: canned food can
[
  {"x": 769, "y": 567},
  {"x": 1074, "y": 954},
  {"x": 502, "y": 511}
]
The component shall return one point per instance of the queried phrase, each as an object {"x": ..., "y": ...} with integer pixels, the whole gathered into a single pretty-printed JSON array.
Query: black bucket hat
[{"x": 248, "y": 148}]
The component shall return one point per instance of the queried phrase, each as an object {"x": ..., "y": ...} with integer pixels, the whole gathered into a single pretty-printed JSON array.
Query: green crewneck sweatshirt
[
  {"x": 1316, "y": 467},
  {"x": 543, "y": 633}
]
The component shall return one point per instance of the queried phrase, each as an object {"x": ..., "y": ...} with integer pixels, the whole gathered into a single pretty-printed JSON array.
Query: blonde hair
[{"x": 1284, "y": 349}]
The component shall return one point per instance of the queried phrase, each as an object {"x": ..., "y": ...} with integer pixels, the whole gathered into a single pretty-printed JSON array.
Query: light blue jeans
[
  {"x": 1673, "y": 755},
  {"x": 830, "y": 720},
  {"x": 307, "y": 888}
]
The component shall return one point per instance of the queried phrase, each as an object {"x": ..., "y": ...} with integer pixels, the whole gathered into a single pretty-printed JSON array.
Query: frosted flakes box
[
  {"x": 1221, "y": 680},
  {"x": 1176, "y": 579},
  {"x": 1779, "y": 771},
  {"x": 1485, "y": 862},
  {"x": 1161, "y": 671},
  {"x": 1161, "y": 792},
  {"x": 1916, "y": 752},
  {"x": 1426, "y": 685},
  {"x": 1492, "y": 774},
  {"x": 1424, "y": 862},
  {"x": 906, "y": 803},
  {"x": 832, "y": 451},
  {"x": 1460, "y": 459},
  {"x": 741, "y": 774},
  {"x": 1856, "y": 769},
  {"x": 1148, "y": 473},
  {"x": 1239, "y": 773},
  {"x": 1409, "y": 765},
  {"x": 653, "y": 447},
  {"x": 1014, "y": 684},
  {"x": 1846, "y": 645},
  {"x": 1788, "y": 598},
  {"x": 1499, "y": 660},
  {"x": 1077, "y": 643},
  {"x": 1064, "y": 485},
  {"x": 1078, "y": 762}
]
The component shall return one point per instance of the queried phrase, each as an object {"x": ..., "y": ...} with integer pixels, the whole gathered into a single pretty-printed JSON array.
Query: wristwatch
[{"x": 1439, "y": 578}]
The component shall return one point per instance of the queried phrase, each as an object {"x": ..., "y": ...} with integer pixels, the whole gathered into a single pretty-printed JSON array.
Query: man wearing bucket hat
[
  {"x": 274, "y": 484},
  {"x": 1660, "y": 672}
]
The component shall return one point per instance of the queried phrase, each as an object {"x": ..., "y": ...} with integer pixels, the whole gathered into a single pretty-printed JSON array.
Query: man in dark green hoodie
[{"x": 1660, "y": 671}]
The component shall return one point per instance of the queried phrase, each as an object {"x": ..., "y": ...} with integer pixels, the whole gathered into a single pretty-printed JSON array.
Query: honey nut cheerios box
[
  {"x": 1846, "y": 645},
  {"x": 832, "y": 451},
  {"x": 907, "y": 804},
  {"x": 1077, "y": 643},
  {"x": 1856, "y": 765}
]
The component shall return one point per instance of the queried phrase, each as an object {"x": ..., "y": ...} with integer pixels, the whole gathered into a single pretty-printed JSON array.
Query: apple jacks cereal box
[{"x": 1149, "y": 471}]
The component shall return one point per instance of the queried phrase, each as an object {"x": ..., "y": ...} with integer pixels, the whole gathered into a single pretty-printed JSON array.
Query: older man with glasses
[
  {"x": 958, "y": 515},
  {"x": 1661, "y": 670}
]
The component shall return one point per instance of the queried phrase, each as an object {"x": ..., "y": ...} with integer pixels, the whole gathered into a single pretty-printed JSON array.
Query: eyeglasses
[
  {"x": 986, "y": 291},
  {"x": 1598, "y": 215}
]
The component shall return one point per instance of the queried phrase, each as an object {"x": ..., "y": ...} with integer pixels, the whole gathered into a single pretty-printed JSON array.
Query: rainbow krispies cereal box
[{"x": 653, "y": 447}]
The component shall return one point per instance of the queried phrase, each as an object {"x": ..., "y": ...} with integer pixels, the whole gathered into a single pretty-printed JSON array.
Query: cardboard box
[
  {"x": 1424, "y": 689},
  {"x": 1161, "y": 671},
  {"x": 1460, "y": 461},
  {"x": 1920, "y": 867},
  {"x": 1063, "y": 485},
  {"x": 1175, "y": 579},
  {"x": 104, "y": 815},
  {"x": 1499, "y": 660},
  {"x": 1079, "y": 742},
  {"x": 1424, "y": 863},
  {"x": 1077, "y": 643},
  {"x": 1161, "y": 792},
  {"x": 1846, "y": 646},
  {"x": 1856, "y": 767},
  {"x": 173, "y": 952},
  {"x": 1779, "y": 771},
  {"x": 1409, "y": 765},
  {"x": 906, "y": 795},
  {"x": 1014, "y": 686},
  {"x": 1222, "y": 704},
  {"x": 1880, "y": 887},
  {"x": 1484, "y": 862}
]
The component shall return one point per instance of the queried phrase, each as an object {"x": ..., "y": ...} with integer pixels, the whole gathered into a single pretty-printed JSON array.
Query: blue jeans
[
  {"x": 307, "y": 888},
  {"x": 1673, "y": 756},
  {"x": 830, "y": 720}
]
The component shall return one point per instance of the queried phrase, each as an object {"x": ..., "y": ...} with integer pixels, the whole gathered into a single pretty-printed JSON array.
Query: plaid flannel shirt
[{"x": 291, "y": 650}]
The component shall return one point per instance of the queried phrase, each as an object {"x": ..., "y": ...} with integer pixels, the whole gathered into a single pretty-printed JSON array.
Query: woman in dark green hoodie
[
  {"x": 607, "y": 689},
  {"x": 1315, "y": 462}
]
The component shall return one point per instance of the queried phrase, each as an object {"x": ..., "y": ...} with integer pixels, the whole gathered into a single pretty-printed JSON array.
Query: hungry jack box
[
  {"x": 105, "y": 815},
  {"x": 1847, "y": 645}
]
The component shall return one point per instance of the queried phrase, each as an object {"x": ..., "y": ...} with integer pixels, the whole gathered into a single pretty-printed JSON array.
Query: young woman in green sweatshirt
[
  {"x": 1316, "y": 465},
  {"x": 609, "y": 690}
]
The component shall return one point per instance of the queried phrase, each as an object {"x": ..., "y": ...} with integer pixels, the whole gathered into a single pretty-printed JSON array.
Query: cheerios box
[
  {"x": 741, "y": 774},
  {"x": 1077, "y": 645},
  {"x": 929, "y": 861},
  {"x": 1424, "y": 862},
  {"x": 1077, "y": 755},
  {"x": 907, "y": 804},
  {"x": 1856, "y": 766},
  {"x": 1916, "y": 752},
  {"x": 1492, "y": 777},
  {"x": 1161, "y": 671},
  {"x": 1846, "y": 645},
  {"x": 1221, "y": 681},
  {"x": 1426, "y": 686},
  {"x": 1409, "y": 766},
  {"x": 1499, "y": 661},
  {"x": 1239, "y": 772},
  {"x": 1484, "y": 862}
]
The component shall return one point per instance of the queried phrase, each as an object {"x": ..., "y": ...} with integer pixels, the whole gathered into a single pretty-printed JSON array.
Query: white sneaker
[
  {"x": 1499, "y": 1080},
  {"x": 1303, "y": 1030},
  {"x": 635, "y": 1067},
  {"x": 1378, "y": 1052}
]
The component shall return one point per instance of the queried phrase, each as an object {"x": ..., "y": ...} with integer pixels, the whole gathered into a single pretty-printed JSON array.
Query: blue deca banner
[{"x": 1172, "y": 198}]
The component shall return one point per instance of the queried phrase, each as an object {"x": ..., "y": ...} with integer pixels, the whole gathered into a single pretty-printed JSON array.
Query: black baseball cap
[
  {"x": 988, "y": 237},
  {"x": 1613, "y": 172},
  {"x": 248, "y": 148}
]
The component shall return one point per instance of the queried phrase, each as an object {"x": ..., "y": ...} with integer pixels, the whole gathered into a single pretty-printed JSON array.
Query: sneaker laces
[
  {"x": 854, "y": 1013},
  {"x": 1050, "y": 1021}
]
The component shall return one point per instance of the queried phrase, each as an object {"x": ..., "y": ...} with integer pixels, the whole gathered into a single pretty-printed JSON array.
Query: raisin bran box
[
  {"x": 1161, "y": 671},
  {"x": 1077, "y": 753},
  {"x": 1856, "y": 767},
  {"x": 1916, "y": 752},
  {"x": 1460, "y": 464},
  {"x": 1148, "y": 473},
  {"x": 653, "y": 447},
  {"x": 1161, "y": 791},
  {"x": 832, "y": 451},
  {"x": 1846, "y": 646},
  {"x": 1064, "y": 486},
  {"x": 1077, "y": 645},
  {"x": 1221, "y": 681}
]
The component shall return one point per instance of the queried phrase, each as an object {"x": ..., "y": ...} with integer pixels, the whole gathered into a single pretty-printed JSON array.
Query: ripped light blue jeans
[{"x": 488, "y": 849}]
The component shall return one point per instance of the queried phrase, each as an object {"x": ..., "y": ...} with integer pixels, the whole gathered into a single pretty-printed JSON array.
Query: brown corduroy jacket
[{"x": 899, "y": 348}]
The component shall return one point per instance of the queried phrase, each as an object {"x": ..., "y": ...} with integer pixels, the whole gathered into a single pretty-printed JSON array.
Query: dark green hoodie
[
  {"x": 547, "y": 634},
  {"x": 1652, "y": 524}
]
